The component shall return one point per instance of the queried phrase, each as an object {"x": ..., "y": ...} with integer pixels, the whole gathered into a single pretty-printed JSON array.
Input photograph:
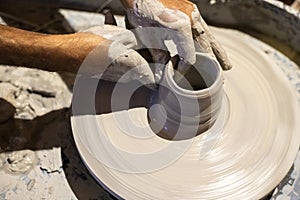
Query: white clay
[
  {"x": 194, "y": 110},
  {"x": 117, "y": 57},
  {"x": 243, "y": 158},
  {"x": 150, "y": 12},
  {"x": 18, "y": 162}
]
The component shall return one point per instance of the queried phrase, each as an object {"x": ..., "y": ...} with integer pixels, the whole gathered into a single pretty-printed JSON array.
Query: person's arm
[
  {"x": 89, "y": 53},
  {"x": 43, "y": 51}
]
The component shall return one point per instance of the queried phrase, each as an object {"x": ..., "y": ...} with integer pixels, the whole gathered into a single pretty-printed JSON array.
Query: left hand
[{"x": 120, "y": 62}]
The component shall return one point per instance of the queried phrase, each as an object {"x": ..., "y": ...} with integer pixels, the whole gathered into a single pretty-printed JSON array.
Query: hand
[
  {"x": 182, "y": 16},
  {"x": 118, "y": 57}
]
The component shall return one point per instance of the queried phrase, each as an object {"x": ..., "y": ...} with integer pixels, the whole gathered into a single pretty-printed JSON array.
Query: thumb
[{"x": 129, "y": 66}]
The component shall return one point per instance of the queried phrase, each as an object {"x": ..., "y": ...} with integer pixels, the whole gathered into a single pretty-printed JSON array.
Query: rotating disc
[{"x": 245, "y": 159}]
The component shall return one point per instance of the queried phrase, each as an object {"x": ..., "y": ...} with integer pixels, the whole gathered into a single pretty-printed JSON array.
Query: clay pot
[{"x": 186, "y": 106}]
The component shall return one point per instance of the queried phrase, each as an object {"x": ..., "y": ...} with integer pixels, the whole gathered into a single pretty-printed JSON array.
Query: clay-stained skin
[
  {"x": 153, "y": 13},
  {"x": 184, "y": 6},
  {"x": 120, "y": 56},
  {"x": 182, "y": 16}
]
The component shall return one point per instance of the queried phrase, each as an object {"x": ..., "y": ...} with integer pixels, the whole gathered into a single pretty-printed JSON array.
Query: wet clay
[
  {"x": 189, "y": 104},
  {"x": 18, "y": 162},
  {"x": 244, "y": 157}
]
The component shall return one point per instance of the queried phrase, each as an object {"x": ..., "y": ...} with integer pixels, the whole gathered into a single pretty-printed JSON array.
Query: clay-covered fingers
[
  {"x": 129, "y": 66},
  {"x": 206, "y": 42},
  {"x": 185, "y": 24},
  {"x": 116, "y": 58},
  {"x": 166, "y": 24}
]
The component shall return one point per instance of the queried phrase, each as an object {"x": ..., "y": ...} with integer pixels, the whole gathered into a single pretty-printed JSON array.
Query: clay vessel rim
[{"x": 213, "y": 88}]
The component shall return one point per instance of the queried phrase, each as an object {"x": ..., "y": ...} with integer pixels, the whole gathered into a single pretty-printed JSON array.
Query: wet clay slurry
[
  {"x": 189, "y": 104},
  {"x": 244, "y": 157}
]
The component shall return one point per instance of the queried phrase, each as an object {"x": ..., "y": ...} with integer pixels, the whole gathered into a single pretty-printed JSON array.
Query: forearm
[{"x": 47, "y": 52}]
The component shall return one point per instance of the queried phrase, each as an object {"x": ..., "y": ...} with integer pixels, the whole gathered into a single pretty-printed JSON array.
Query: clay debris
[{"x": 32, "y": 92}]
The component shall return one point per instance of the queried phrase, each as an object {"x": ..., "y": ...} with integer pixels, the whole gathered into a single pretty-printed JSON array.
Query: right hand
[{"x": 182, "y": 16}]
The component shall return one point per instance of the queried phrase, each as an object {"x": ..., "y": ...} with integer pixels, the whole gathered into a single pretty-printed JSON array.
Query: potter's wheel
[{"x": 256, "y": 148}]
